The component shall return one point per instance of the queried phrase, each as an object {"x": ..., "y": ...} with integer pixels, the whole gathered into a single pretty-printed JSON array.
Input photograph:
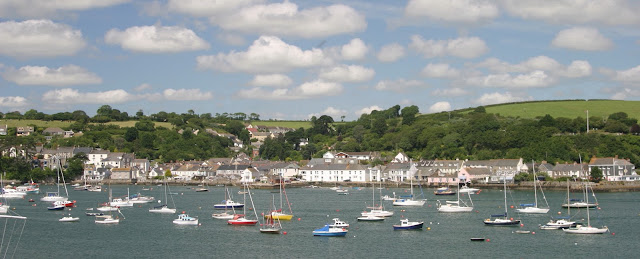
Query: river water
[{"x": 144, "y": 234}]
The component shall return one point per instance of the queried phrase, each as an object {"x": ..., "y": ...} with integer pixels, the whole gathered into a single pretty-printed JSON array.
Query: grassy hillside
[
  {"x": 568, "y": 109},
  {"x": 63, "y": 124}
]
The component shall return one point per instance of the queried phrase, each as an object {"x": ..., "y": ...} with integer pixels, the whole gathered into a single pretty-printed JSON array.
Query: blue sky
[{"x": 297, "y": 59}]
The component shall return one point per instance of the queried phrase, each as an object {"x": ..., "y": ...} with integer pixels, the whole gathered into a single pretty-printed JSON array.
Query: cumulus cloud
[
  {"x": 274, "y": 80},
  {"x": 307, "y": 90},
  {"x": 186, "y": 95},
  {"x": 440, "y": 107},
  {"x": 330, "y": 111},
  {"x": 611, "y": 12},
  {"x": 440, "y": 71},
  {"x": 143, "y": 87},
  {"x": 354, "y": 50},
  {"x": 391, "y": 52},
  {"x": 344, "y": 73},
  {"x": 285, "y": 19},
  {"x": 39, "y": 38},
  {"x": 495, "y": 98},
  {"x": 156, "y": 39},
  {"x": 49, "y": 8},
  {"x": 208, "y": 8},
  {"x": 577, "y": 68},
  {"x": 268, "y": 54},
  {"x": 466, "y": 47},
  {"x": 629, "y": 76},
  {"x": 450, "y": 92},
  {"x": 625, "y": 93},
  {"x": 582, "y": 38},
  {"x": 13, "y": 101},
  {"x": 368, "y": 110},
  {"x": 530, "y": 80},
  {"x": 63, "y": 76},
  {"x": 73, "y": 96},
  {"x": 399, "y": 85},
  {"x": 453, "y": 11}
]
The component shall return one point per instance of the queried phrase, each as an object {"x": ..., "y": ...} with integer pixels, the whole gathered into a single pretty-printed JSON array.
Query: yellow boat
[{"x": 279, "y": 215}]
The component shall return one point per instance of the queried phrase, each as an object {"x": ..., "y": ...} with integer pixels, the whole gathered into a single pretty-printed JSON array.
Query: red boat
[
  {"x": 239, "y": 219},
  {"x": 66, "y": 203}
]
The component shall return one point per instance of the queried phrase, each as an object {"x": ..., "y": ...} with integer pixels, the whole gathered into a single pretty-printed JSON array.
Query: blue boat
[
  {"x": 406, "y": 225},
  {"x": 57, "y": 207},
  {"x": 328, "y": 231}
]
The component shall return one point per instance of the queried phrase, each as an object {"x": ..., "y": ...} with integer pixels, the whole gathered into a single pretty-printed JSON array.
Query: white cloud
[
  {"x": 440, "y": 107},
  {"x": 62, "y": 76},
  {"x": 208, "y": 8},
  {"x": 186, "y": 95},
  {"x": 49, "y": 8},
  {"x": 450, "y": 92},
  {"x": 307, "y": 90},
  {"x": 368, "y": 110},
  {"x": 629, "y": 76},
  {"x": 285, "y": 19},
  {"x": 399, "y": 85},
  {"x": 344, "y": 73},
  {"x": 466, "y": 47},
  {"x": 268, "y": 54},
  {"x": 611, "y": 12},
  {"x": 625, "y": 93},
  {"x": 39, "y": 38},
  {"x": 156, "y": 39},
  {"x": 331, "y": 111},
  {"x": 274, "y": 80},
  {"x": 142, "y": 87},
  {"x": 582, "y": 38},
  {"x": 13, "y": 101},
  {"x": 440, "y": 71},
  {"x": 453, "y": 11},
  {"x": 391, "y": 52},
  {"x": 495, "y": 98},
  {"x": 355, "y": 50},
  {"x": 534, "y": 79},
  {"x": 72, "y": 96},
  {"x": 577, "y": 68}
]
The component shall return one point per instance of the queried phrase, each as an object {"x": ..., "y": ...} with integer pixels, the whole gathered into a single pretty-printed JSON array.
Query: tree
[
  {"x": 145, "y": 125},
  {"x": 104, "y": 110},
  {"x": 167, "y": 173},
  {"x": 596, "y": 175},
  {"x": 131, "y": 134},
  {"x": 409, "y": 114}
]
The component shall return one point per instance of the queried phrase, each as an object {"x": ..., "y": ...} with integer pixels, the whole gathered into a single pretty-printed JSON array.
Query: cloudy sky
[{"x": 296, "y": 59}]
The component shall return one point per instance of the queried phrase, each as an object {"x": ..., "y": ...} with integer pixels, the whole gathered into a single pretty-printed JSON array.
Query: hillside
[{"x": 567, "y": 108}]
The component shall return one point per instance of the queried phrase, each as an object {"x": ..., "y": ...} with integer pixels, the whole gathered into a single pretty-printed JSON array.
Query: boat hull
[
  {"x": 222, "y": 216},
  {"x": 242, "y": 222},
  {"x": 408, "y": 202},
  {"x": 453, "y": 209},
  {"x": 501, "y": 222},
  {"x": 163, "y": 211},
  {"x": 279, "y": 216},
  {"x": 69, "y": 219},
  {"x": 533, "y": 210},
  {"x": 585, "y": 230},
  {"x": 411, "y": 226},
  {"x": 185, "y": 222}
]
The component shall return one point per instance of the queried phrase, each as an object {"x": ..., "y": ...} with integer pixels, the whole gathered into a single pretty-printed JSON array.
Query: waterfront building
[{"x": 614, "y": 168}]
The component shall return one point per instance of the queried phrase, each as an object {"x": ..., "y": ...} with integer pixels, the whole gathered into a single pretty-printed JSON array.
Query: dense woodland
[{"x": 468, "y": 134}]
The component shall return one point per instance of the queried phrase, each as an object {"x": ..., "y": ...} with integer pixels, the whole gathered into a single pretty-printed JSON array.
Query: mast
[
  {"x": 586, "y": 185},
  {"x": 535, "y": 189},
  {"x": 504, "y": 180}
]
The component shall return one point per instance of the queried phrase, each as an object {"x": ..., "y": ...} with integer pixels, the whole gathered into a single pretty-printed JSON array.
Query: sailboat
[
  {"x": 226, "y": 205},
  {"x": 579, "y": 203},
  {"x": 240, "y": 219},
  {"x": 272, "y": 224},
  {"x": 164, "y": 208},
  {"x": 410, "y": 201},
  {"x": 107, "y": 206},
  {"x": 533, "y": 208},
  {"x": 376, "y": 211},
  {"x": 455, "y": 206},
  {"x": 55, "y": 196},
  {"x": 588, "y": 229},
  {"x": 279, "y": 213},
  {"x": 560, "y": 222},
  {"x": 502, "y": 219}
]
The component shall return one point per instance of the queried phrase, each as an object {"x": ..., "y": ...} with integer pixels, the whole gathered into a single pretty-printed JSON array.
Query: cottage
[{"x": 614, "y": 169}]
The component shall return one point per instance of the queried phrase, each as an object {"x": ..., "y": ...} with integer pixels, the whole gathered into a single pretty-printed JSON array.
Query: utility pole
[{"x": 587, "y": 121}]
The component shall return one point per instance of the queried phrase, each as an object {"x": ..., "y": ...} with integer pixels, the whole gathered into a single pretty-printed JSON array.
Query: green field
[
  {"x": 567, "y": 109},
  {"x": 64, "y": 124}
]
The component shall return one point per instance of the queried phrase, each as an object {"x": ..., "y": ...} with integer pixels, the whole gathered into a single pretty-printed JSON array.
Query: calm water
[{"x": 143, "y": 234}]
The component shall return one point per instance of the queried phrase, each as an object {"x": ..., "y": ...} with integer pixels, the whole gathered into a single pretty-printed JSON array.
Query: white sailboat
[
  {"x": 533, "y": 208},
  {"x": 580, "y": 203},
  {"x": 376, "y": 211},
  {"x": 226, "y": 205},
  {"x": 55, "y": 196},
  {"x": 241, "y": 219},
  {"x": 588, "y": 229},
  {"x": 410, "y": 201},
  {"x": 502, "y": 219},
  {"x": 272, "y": 224},
  {"x": 164, "y": 208},
  {"x": 455, "y": 206},
  {"x": 560, "y": 222}
]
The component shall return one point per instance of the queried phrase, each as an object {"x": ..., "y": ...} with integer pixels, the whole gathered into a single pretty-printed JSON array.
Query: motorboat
[
  {"x": 444, "y": 191},
  {"x": 581, "y": 229},
  {"x": 139, "y": 199},
  {"x": 405, "y": 224},
  {"x": 106, "y": 219},
  {"x": 224, "y": 215},
  {"x": 12, "y": 194},
  {"x": 228, "y": 204},
  {"x": 184, "y": 219},
  {"x": 469, "y": 190},
  {"x": 328, "y": 231},
  {"x": 370, "y": 218},
  {"x": 69, "y": 219}
]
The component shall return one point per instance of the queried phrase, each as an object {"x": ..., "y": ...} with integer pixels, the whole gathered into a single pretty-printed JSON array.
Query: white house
[{"x": 334, "y": 173}]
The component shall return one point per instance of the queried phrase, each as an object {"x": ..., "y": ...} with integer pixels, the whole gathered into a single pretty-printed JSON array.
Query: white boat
[
  {"x": 560, "y": 222},
  {"x": 410, "y": 201},
  {"x": 55, "y": 196},
  {"x": 69, "y": 219},
  {"x": 184, "y": 219},
  {"x": 164, "y": 209},
  {"x": 272, "y": 224},
  {"x": 226, "y": 206},
  {"x": 223, "y": 215},
  {"x": 139, "y": 199},
  {"x": 241, "y": 219},
  {"x": 370, "y": 218},
  {"x": 227, "y": 203},
  {"x": 467, "y": 189},
  {"x": 455, "y": 206},
  {"x": 119, "y": 202},
  {"x": 105, "y": 207},
  {"x": 11, "y": 194},
  {"x": 388, "y": 198},
  {"x": 376, "y": 211},
  {"x": 533, "y": 207},
  {"x": 337, "y": 223},
  {"x": 502, "y": 219},
  {"x": 588, "y": 229},
  {"x": 405, "y": 224},
  {"x": 95, "y": 189},
  {"x": 106, "y": 219}
]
